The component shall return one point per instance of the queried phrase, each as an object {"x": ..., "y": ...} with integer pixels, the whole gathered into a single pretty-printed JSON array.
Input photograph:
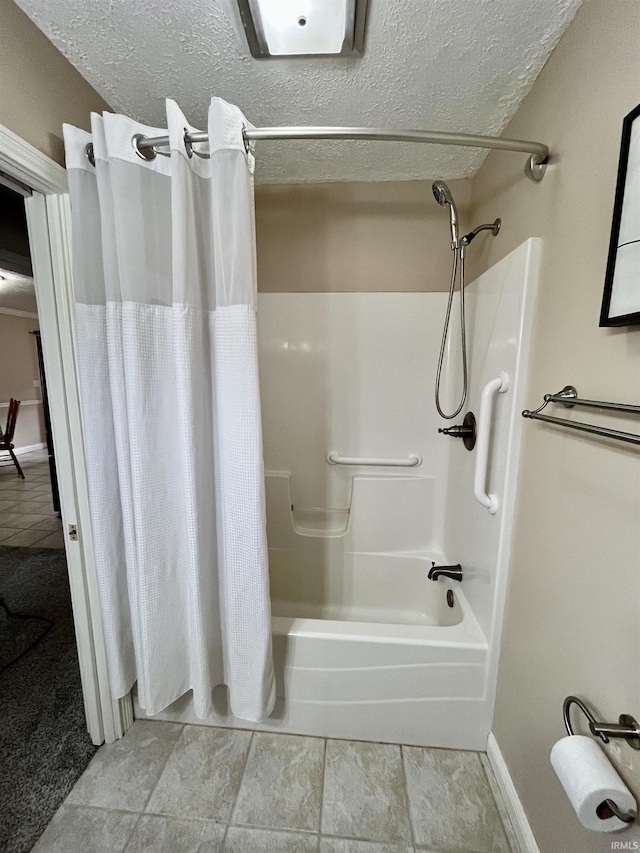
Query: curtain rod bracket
[{"x": 535, "y": 167}]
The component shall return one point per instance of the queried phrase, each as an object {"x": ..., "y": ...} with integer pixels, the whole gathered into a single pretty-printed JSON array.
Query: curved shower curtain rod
[{"x": 534, "y": 168}]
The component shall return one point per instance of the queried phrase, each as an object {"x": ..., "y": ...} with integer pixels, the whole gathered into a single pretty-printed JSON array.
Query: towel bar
[{"x": 568, "y": 397}]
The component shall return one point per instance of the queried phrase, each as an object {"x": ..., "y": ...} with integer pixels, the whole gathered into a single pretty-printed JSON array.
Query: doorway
[
  {"x": 45, "y": 741},
  {"x": 41, "y": 186},
  {"x": 29, "y": 498}
]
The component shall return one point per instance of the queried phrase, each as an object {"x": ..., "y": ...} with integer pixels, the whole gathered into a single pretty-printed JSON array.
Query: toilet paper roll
[{"x": 589, "y": 778}]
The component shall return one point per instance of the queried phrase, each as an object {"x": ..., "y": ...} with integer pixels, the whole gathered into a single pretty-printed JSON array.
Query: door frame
[{"x": 49, "y": 225}]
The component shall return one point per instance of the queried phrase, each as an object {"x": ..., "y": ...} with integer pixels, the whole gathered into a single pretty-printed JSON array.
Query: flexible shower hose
[{"x": 458, "y": 259}]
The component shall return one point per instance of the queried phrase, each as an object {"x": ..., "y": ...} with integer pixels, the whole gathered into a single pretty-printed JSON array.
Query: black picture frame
[{"x": 606, "y": 318}]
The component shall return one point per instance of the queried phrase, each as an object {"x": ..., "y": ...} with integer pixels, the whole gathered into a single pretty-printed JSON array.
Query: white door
[{"x": 48, "y": 218}]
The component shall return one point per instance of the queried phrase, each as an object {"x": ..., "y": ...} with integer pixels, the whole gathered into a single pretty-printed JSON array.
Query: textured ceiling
[
  {"x": 17, "y": 291},
  {"x": 460, "y": 65}
]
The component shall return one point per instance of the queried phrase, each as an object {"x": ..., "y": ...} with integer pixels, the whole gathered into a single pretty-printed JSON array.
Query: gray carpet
[{"x": 44, "y": 745}]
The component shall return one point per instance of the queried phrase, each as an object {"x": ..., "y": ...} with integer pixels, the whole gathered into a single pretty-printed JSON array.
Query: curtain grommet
[
  {"x": 147, "y": 154},
  {"x": 248, "y": 146},
  {"x": 188, "y": 145}
]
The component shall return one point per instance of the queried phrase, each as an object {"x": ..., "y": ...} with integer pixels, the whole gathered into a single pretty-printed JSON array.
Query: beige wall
[
  {"x": 18, "y": 370},
  {"x": 39, "y": 88},
  {"x": 573, "y": 609},
  {"x": 354, "y": 236}
]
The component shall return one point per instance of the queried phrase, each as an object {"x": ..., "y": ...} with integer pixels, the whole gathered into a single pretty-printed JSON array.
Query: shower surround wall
[
  {"x": 365, "y": 645},
  {"x": 350, "y": 373}
]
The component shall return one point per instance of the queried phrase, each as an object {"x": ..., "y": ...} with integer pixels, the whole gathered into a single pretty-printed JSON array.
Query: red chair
[{"x": 6, "y": 440}]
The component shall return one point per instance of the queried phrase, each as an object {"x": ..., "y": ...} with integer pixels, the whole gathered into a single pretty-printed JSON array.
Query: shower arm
[
  {"x": 535, "y": 166},
  {"x": 494, "y": 227}
]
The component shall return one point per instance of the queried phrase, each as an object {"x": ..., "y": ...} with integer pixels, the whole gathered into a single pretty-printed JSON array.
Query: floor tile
[
  {"x": 364, "y": 792},
  {"x": 32, "y": 494},
  {"x": 78, "y": 829},
  {"x": 25, "y": 538},
  {"x": 11, "y": 496},
  {"x": 5, "y": 532},
  {"x": 46, "y": 508},
  {"x": 52, "y": 524},
  {"x": 159, "y": 834},
  {"x": 421, "y": 849},
  {"x": 10, "y": 484},
  {"x": 46, "y": 504},
  {"x": 51, "y": 540},
  {"x": 202, "y": 776},
  {"x": 22, "y": 520},
  {"x": 24, "y": 503},
  {"x": 451, "y": 803},
  {"x": 282, "y": 783},
  {"x": 33, "y": 507},
  {"x": 123, "y": 774},
  {"x": 241, "y": 840},
  {"x": 350, "y": 845}
]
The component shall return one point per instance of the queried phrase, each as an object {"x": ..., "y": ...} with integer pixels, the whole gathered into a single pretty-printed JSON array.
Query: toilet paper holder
[{"x": 627, "y": 727}]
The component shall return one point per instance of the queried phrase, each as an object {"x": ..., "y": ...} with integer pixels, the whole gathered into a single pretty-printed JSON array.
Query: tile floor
[
  {"x": 26, "y": 508},
  {"x": 169, "y": 788}
]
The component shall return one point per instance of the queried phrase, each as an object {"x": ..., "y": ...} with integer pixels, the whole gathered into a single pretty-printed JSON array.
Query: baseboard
[
  {"x": 517, "y": 814},
  {"x": 29, "y": 448}
]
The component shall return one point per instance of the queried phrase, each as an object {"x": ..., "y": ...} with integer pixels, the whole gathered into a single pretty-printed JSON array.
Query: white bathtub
[
  {"x": 377, "y": 655},
  {"x": 391, "y": 589}
]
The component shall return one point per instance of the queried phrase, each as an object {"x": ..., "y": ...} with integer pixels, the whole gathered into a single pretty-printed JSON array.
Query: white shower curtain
[{"x": 165, "y": 288}]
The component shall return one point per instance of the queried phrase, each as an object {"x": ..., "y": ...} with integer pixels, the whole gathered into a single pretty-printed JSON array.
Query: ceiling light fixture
[{"x": 280, "y": 28}]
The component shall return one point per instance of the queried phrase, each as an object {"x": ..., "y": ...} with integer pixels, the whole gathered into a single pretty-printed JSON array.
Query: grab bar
[
  {"x": 497, "y": 386},
  {"x": 568, "y": 397},
  {"x": 334, "y": 458}
]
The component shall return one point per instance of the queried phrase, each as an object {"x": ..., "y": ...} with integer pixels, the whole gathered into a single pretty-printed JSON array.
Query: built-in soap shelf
[
  {"x": 325, "y": 523},
  {"x": 385, "y": 513}
]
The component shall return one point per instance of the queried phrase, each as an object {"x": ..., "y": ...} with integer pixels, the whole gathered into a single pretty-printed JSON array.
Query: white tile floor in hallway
[
  {"x": 27, "y": 517},
  {"x": 168, "y": 788}
]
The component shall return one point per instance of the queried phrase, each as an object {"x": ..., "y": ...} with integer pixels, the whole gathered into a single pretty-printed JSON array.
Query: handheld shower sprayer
[{"x": 442, "y": 195}]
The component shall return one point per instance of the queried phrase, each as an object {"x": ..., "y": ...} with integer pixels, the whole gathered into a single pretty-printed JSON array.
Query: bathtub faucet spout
[{"x": 453, "y": 572}]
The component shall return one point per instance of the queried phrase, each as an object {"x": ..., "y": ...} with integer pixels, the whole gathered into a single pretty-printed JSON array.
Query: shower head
[{"x": 442, "y": 195}]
